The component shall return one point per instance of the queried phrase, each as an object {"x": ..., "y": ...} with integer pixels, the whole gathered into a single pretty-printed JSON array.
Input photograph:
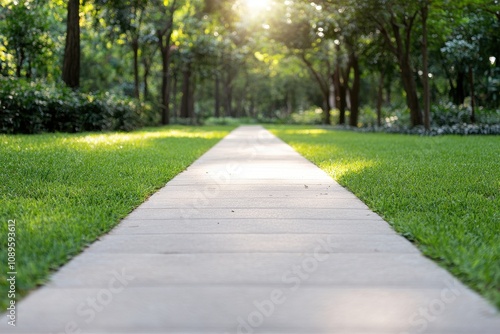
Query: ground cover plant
[
  {"x": 66, "y": 190},
  {"x": 442, "y": 193}
]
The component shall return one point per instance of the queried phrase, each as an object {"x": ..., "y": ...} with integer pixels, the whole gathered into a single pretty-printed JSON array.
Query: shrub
[
  {"x": 310, "y": 116},
  {"x": 445, "y": 119},
  {"x": 35, "y": 107},
  {"x": 450, "y": 115},
  {"x": 222, "y": 121}
]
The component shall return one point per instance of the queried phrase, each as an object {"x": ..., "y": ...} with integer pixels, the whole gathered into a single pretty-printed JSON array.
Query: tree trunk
[
  {"x": 324, "y": 85},
  {"x": 252, "y": 112},
  {"x": 388, "y": 93},
  {"x": 343, "y": 79},
  {"x": 71, "y": 64},
  {"x": 20, "y": 61},
  {"x": 239, "y": 104},
  {"x": 410, "y": 88},
  {"x": 191, "y": 100},
  {"x": 425, "y": 64},
  {"x": 354, "y": 91},
  {"x": 228, "y": 90},
  {"x": 380, "y": 98},
  {"x": 452, "y": 92},
  {"x": 175, "y": 89},
  {"x": 399, "y": 43},
  {"x": 229, "y": 102},
  {"x": 135, "y": 50},
  {"x": 186, "y": 93},
  {"x": 164, "y": 39},
  {"x": 29, "y": 71},
  {"x": 147, "y": 72},
  {"x": 460, "y": 88},
  {"x": 289, "y": 103},
  {"x": 338, "y": 95},
  {"x": 165, "y": 89},
  {"x": 326, "y": 108},
  {"x": 217, "y": 95},
  {"x": 147, "y": 61},
  {"x": 472, "y": 95}
]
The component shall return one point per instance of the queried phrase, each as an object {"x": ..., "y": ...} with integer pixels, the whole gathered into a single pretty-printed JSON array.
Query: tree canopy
[{"x": 360, "y": 63}]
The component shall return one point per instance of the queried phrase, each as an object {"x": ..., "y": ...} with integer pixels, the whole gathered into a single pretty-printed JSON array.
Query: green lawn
[
  {"x": 443, "y": 193},
  {"x": 64, "y": 191}
]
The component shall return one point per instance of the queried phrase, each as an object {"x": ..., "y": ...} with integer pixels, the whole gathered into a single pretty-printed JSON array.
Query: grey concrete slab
[
  {"x": 261, "y": 203},
  {"x": 209, "y": 192},
  {"x": 253, "y": 233},
  {"x": 262, "y": 166},
  {"x": 252, "y": 226},
  {"x": 251, "y": 243},
  {"x": 190, "y": 212},
  {"x": 248, "y": 182},
  {"x": 269, "y": 172},
  {"x": 262, "y": 269},
  {"x": 225, "y": 309}
]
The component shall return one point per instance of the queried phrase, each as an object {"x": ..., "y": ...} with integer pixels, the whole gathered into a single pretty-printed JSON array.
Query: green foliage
[
  {"x": 446, "y": 118},
  {"x": 473, "y": 41},
  {"x": 211, "y": 121},
  {"x": 66, "y": 190},
  {"x": 28, "y": 33},
  {"x": 310, "y": 116},
  {"x": 368, "y": 116},
  {"x": 439, "y": 192},
  {"x": 254, "y": 54},
  {"x": 450, "y": 114},
  {"x": 38, "y": 107}
]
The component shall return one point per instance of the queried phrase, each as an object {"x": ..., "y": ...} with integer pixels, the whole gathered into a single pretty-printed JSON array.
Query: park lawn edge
[
  {"x": 351, "y": 165},
  {"x": 83, "y": 185}
]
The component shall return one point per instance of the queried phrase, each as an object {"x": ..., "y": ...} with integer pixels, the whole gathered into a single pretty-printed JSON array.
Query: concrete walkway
[{"x": 253, "y": 238}]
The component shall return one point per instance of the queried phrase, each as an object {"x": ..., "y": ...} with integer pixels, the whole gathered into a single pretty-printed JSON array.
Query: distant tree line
[{"x": 361, "y": 62}]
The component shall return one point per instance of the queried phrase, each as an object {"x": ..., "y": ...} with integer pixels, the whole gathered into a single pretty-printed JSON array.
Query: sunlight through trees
[{"x": 363, "y": 63}]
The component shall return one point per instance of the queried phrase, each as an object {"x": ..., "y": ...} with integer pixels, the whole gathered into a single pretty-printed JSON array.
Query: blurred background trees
[{"x": 357, "y": 63}]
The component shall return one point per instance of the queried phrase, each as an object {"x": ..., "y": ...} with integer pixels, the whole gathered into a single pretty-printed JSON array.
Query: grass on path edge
[
  {"x": 442, "y": 193},
  {"x": 66, "y": 190}
]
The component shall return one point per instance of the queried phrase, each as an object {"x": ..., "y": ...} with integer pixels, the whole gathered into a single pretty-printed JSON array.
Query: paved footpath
[{"x": 253, "y": 238}]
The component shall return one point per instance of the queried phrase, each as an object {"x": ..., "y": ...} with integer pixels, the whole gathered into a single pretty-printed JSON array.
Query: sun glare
[{"x": 256, "y": 5}]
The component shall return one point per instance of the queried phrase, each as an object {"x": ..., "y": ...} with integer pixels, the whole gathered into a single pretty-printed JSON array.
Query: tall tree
[
  {"x": 128, "y": 17},
  {"x": 424, "y": 13},
  {"x": 71, "y": 65},
  {"x": 395, "y": 21},
  {"x": 295, "y": 27},
  {"x": 465, "y": 49},
  {"x": 25, "y": 33},
  {"x": 164, "y": 35}
]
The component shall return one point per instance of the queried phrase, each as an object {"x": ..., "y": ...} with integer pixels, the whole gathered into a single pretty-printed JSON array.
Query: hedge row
[
  {"x": 446, "y": 119},
  {"x": 457, "y": 129},
  {"x": 35, "y": 107}
]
